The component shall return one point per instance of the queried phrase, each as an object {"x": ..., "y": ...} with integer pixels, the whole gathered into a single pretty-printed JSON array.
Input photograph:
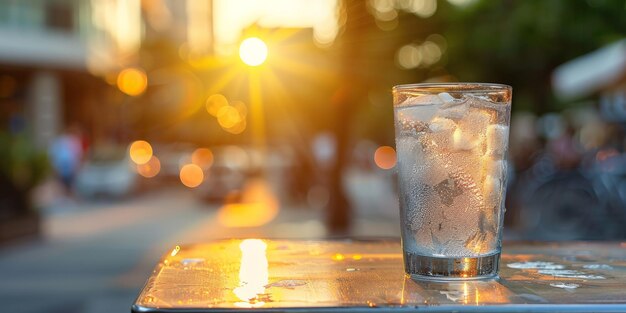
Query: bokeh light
[
  {"x": 140, "y": 152},
  {"x": 409, "y": 56},
  {"x": 461, "y": 3},
  {"x": 424, "y": 8},
  {"x": 253, "y": 51},
  {"x": 215, "y": 102},
  {"x": 428, "y": 53},
  {"x": 228, "y": 117},
  {"x": 150, "y": 168},
  {"x": 233, "y": 118},
  {"x": 132, "y": 81},
  {"x": 241, "y": 108},
  {"x": 191, "y": 175},
  {"x": 203, "y": 157},
  {"x": 385, "y": 157},
  {"x": 238, "y": 128},
  {"x": 431, "y": 52}
]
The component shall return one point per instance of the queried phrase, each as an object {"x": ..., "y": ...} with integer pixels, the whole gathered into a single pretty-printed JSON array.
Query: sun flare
[{"x": 253, "y": 51}]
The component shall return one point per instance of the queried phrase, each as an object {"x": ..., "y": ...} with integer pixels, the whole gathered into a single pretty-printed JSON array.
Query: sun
[{"x": 253, "y": 51}]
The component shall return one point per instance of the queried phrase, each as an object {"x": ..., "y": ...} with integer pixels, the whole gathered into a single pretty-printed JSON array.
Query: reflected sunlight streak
[
  {"x": 257, "y": 117},
  {"x": 253, "y": 273},
  {"x": 175, "y": 251}
]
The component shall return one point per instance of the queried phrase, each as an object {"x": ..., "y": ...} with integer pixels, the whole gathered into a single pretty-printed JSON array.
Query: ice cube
[
  {"x": 456, "y": 112},
  {"x": 409, "y": 152},
  {"x": 421, "y": 100},
  {"x": 497, "y": 138},
  {"x": 440, "y": 124},
  {"x": 446, "y": 97},
  {"x": 410, "y": 127},
  {"x": 420, "y": 159},
  {"x": 492, "y": 188},
  {"x": 452, "y": 108},
  {"x": 464, "y": 140},
  {"x": 448, "y": 189},
  {"x": 418, "y": 199},
  {"x": 416, "y": 112},
  {"x": 429, "y": 99},
  {"x": 494, "y": 167},
  {"x": 468, "y": 135},
  {"x": 478, "y": 119},
  {"x": 431, "y": 168}
]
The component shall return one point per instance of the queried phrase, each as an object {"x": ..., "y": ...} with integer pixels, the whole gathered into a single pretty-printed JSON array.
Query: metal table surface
[{"x": 367, "y": 275}]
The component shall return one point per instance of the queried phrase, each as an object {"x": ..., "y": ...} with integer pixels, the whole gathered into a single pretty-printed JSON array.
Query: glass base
[{"x": 455, "y": 268}]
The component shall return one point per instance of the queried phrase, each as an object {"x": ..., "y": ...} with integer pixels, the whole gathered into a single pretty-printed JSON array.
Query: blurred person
[
  {"x": 524, "y": 141},
  {"x": 66, "y": 152},
  {"x": 565, "y": 150}
]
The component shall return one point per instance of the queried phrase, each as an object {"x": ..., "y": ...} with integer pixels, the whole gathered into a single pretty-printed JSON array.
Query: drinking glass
[{"x": 451, "y": 141}]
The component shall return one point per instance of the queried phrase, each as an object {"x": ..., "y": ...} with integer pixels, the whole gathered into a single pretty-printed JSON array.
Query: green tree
[{"x": 521, "y": 42}]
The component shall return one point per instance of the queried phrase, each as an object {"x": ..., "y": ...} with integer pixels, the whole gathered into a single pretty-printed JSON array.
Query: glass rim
[{"x": 455, "y": 86}]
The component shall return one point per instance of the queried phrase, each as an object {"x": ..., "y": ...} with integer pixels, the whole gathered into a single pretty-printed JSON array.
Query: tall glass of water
[{"x": 452, "y": 140}]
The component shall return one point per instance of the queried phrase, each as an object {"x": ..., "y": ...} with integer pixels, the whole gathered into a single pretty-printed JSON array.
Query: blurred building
[
  {"x": 56, "y": 57},
  {"x": 49, "y": 52}
]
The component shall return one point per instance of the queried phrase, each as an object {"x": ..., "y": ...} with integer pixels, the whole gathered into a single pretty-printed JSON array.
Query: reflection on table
[{"x": 260, "y": 274}]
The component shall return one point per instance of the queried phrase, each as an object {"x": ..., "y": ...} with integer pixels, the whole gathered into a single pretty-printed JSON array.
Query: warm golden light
[
  {"x": 253, "y": 273},
  {"x": 132, "y": 81},
  {"x": 258, "y": 206},
  {"x": 215, "y": 102},
  {"x": 237, "y": 128},
  {"x": 191, "y": 175},
  {"x": 175, "y": 251},
  {"x": 338, "y": 257},
  {"x": 241, "y": 108},
  {"x": 253, "y": 51},
  {"x": 202, "y": 157},
  {"x": 140, "y": 152},
  {"x": 385, "y": 157},
  {"x": 233, "y": 17},
  {"x": 465, "y": 293},
  {"x": 228, "y": 117},
  {"x": 150, "y": 168}
]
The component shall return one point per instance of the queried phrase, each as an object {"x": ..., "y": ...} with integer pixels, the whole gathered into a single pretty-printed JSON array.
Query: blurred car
[
  {"x": 225, "y": 178},
  {"x": 173, "y": 157},
  {"x": 106, "y": 174}
]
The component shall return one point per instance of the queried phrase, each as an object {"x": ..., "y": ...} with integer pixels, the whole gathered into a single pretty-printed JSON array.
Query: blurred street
[
  {"x": 94, "y": 257},
  {"x": 128, "y": 127}
]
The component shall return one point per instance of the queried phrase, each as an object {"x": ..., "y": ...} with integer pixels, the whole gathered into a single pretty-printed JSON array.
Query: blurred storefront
[{"x": 51, "y": 54}]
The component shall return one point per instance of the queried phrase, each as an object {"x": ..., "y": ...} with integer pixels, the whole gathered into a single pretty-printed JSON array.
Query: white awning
[{"x": 591, "y": 72}]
